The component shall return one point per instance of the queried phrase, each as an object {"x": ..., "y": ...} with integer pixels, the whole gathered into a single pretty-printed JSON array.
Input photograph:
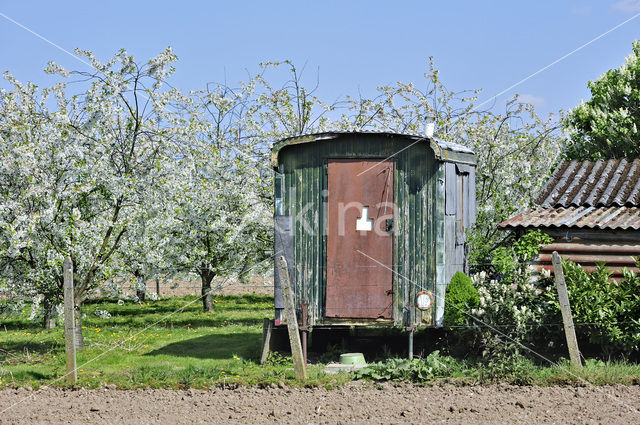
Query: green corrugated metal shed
[{"x": 434, "y": 202}]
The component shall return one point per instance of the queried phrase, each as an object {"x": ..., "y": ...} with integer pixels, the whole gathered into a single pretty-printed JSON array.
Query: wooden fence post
[
  {"x": 292, "y": 321},
  {"x": 69, "y": 322},
  {"x": 267, "y": 329},
  {"x": 565, "y": 308}
]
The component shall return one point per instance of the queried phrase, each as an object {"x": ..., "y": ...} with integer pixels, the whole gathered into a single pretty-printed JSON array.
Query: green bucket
[{"x": 352, "y": 358}]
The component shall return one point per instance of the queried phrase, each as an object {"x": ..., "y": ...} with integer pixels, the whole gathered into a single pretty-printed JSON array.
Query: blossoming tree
[
  {"x": 130, "y": 177},
  {"x": 83, "y": 174},
  {"x": 220, "y": 211}
]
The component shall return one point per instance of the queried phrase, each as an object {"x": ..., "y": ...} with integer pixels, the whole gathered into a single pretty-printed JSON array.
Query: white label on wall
[
  {"x": 364, "y": 223},
  {"x": 425, "y": 301}
]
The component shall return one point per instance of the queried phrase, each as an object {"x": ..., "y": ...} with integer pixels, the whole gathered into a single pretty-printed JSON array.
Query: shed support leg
[
  {"x": 305, "y": 332},
  {"x": 411, "y": 344}
]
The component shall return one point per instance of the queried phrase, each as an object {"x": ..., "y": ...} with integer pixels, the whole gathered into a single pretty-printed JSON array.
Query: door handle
[{"x": 388, "y": 225}]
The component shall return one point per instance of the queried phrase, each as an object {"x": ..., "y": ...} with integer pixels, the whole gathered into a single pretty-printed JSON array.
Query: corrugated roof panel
[
  {"x": 634, "y": 194},
  {"x": 547, "y": 195},
  {"x": 592, "y": 186},
  {"x": 573, "y": 190},
  {"x": 614, "y": 182},
  {"x": 611, "y": 184},
  {"x": 631, "y": 174},
  {"x": 614, "y": 218}
]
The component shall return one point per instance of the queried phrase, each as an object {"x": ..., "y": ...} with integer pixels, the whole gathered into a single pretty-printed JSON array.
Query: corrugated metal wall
[
  {"x": 617, "y": 250},
  {"x": 423, "y": 259},
  {"x": 304, "y": 182},
  {"x": 460, "y": 214}
]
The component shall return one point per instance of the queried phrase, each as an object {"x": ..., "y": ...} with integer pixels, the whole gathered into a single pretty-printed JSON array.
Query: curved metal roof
[{"x": 440, "y": 148}]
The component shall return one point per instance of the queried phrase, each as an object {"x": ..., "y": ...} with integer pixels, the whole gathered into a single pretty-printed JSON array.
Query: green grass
[
  {"x": 594, "y": 372},
  {"x": 172, "y": 343},
  {"x": 436, "y": 368},
  {"x": 169, "y": 343}
]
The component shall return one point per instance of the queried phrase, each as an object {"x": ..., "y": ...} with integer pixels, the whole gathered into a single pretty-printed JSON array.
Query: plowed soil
[{"x": 355, "y": 403}]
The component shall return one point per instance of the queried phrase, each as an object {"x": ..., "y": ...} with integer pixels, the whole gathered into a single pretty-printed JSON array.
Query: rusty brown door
[{"x": 360, "y": 239}]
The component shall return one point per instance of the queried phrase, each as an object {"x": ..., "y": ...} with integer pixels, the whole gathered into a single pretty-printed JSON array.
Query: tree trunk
[
  {"x": 207, "y": 298},
  {"x": 50, "y": 315},
  {"x": 78, "y": 328},
  {"x": 141, "y": 289}
]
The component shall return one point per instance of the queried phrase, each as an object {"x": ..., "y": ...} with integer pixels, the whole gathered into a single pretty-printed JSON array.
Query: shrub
[
  {"x": 511, "y": 263},
  {"x": 513, "y": 301},
  {"x": 517, "y": 306},
  {"x": 415, "y": 370},
  {"x": 461, "y": 297},
  {"x": 514, "y": 309},
  {"x": 607, "y": 313}
]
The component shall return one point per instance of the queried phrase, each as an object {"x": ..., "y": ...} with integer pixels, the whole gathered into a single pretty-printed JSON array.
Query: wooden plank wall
[{"x": 460, "y": 212}]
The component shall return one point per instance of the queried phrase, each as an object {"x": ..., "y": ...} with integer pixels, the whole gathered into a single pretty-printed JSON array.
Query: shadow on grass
[
  {"x": 216, "y": 346},
  {"x": 30, "y": 374},
  {"x": 17, "y": 323},
  {"x": 10, "y": 350}
]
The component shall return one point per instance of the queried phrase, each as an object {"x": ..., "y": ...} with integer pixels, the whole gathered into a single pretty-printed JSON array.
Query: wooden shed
[
  {"x": 371, "y": 224},
  {"x": 592, "y": 210}
]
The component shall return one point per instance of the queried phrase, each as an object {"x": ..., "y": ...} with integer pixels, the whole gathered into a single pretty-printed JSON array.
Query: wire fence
[
  {"x": 232, "y": 285},
  {"x": 534, "y": 325}
]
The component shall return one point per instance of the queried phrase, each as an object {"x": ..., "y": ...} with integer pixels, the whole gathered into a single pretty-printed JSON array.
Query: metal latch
[{"x": 389, "y": 225}]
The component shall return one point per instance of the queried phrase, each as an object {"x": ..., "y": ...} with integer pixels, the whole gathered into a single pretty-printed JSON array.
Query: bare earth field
[
  {"x": 356, "y": 403},
  {"x": 180, "y": 288}
]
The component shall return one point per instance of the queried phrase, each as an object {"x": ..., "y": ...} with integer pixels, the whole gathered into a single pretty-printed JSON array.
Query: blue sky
[{"x": 355, "y": 45}]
